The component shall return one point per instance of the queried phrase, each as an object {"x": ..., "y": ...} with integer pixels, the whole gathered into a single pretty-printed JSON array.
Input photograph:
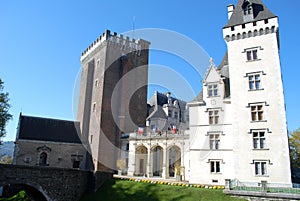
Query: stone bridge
[{"x": 53, "y": 184}]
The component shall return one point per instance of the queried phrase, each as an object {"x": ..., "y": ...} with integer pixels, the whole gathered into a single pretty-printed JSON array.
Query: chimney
[{"x": 230, "y": 9}]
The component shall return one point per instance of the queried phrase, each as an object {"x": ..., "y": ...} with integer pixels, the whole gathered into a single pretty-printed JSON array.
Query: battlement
[
  {"x": 251, "y": 29},
  {"x": 119, "y": 41}
]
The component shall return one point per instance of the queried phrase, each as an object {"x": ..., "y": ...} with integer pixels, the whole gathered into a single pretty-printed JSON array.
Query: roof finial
[{"x": 211, "y": 61}]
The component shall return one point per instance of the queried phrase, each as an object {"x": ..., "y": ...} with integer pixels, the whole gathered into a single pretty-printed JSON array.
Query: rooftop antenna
[{"x": 133, "y": 26}]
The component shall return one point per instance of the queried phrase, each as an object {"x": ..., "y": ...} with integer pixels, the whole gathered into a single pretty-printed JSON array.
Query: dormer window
[{"x": 248, "y": 10}]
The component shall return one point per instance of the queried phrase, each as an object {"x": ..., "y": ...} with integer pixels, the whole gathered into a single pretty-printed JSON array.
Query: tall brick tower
[{"x": 113, "y": 95}]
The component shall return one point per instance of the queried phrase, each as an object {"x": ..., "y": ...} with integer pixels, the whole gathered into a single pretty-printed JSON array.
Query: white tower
[{"x": 260, "y": 140}]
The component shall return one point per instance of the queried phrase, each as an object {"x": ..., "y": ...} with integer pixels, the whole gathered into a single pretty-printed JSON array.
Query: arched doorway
[
  {"x": 141, "y": 157},
  {"x": 157, "y": 153},
  {"x": 174, "y": 156}
]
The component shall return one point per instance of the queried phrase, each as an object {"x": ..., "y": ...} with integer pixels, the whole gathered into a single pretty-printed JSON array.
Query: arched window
[{"x": 43, "y": 159}]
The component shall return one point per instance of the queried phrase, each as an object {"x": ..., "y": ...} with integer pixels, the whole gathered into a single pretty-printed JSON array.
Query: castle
[{"x": 232, "y": 129}]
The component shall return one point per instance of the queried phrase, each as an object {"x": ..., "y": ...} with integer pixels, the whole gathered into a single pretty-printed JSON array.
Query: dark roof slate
[
  {"x": 46, "y": 129},
  {"x": 261, "y": 12}
]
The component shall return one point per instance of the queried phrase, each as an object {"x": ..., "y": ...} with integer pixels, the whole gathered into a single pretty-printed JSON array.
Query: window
[
  {"x": 259, "y": 140},
  {"x": 175, "y": 115},
  {"x": 254, "y": 82},
  {"x": 76, "y": 164},
  {"x": 252, "y": 55},
  {"x": 214, "y": 141},
  {"x": 212, "y": 90},
  {"x": 260, "y": 168},
  {"x": 96, "y": 83},
  {"x": 94, "y": 107},
  {"x": 170, "y": 113},
  {"x": 43, "y": 159},
  {"x": 248, "y": 10},
  {"x": 91, "y": 139},
  {"x": 254, "y": 23},
  {"x": 213, "y": 117},
  {"x": 266, "y": 21},
  {"x": 256, "y": 112},
  {"x": 215, "y": 167}
]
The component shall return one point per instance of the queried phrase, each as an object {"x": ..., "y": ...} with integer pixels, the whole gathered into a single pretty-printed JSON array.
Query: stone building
[
  {"x": 160, "y": 148},
  {"x": 48, "y": 142},
  {"x": 237, "y": 123},
  {"x": 166, "y": 113},
  {"x": 113, "y": 95}
]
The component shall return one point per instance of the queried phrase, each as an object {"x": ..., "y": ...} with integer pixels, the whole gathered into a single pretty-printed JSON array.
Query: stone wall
[
  {"x": 59, "y": 154},
  {"x": 54, "y": 183}
]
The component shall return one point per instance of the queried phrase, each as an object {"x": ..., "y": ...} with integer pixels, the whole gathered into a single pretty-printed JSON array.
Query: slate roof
[
  {"x": 46, "y": 129},
  {"x": 157, "y": 112},
  {"x": 260, "y": 12},
  {"x": 158, "y": 100}
]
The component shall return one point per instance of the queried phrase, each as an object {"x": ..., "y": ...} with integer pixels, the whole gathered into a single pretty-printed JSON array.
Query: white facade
[{"x": 237, "y": 124}]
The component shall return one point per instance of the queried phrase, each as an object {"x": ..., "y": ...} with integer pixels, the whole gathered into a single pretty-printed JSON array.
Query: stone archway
[
  {"x": 141, "y": 157},
  {"x": 32, "y": 192},
  {"x": 157, "y": 161},
  {"x": 174, "y": 160}
]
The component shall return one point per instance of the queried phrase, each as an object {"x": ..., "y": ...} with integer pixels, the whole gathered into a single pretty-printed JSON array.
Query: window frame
[
  {"x": 214, "y": 141},
  {"x": 213, "y": 90},
  {"x": 260, "y": 168},
  {"x": 213, "y": 116},
  {"x": 257, "y": 112},
  {"x": 259, "y": 141},
  {"x": 215, "y": 166}
]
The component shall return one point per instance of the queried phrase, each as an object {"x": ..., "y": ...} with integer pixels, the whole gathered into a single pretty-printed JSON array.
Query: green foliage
[
  {"x": 4, "y": 110},
  {"x": 294, "y": 142},
  {"x": 21, "y": 196},
  {"x": 123, "y": 190}
]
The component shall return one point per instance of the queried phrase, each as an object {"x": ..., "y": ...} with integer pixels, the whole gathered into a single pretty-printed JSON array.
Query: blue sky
[{"x": 41, "y": 43}]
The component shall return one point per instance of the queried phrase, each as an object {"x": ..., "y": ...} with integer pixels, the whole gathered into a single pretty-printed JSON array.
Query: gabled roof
[
  {"x": 46, "y": 129},
  {"x": 260, "y": 12},
  {"x": 161, "y": 99},
  {"x": 157, "y": 112},
  {"x": 223, "y": 69}
]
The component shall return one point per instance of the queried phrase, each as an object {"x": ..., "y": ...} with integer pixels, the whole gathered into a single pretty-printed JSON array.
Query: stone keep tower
[
  {"x": 259, "y": 119},
  {"x": 113, "y": 95}
]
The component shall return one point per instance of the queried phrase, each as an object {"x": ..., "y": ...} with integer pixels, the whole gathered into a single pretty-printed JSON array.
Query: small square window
[
  {"x": 212, "y": 90},
  {"x": 252, "y": 55},
  {"x": 260, "y": 168},
  {"x": 257, "y": 113},
  {"x": 215, "y": 167},
  {"x": 254, "y": 82},
  {"x": 259, "y": 140}
]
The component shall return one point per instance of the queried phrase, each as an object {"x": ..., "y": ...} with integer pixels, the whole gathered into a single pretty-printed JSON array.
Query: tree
[
  {"x": 294, "y": 143},
  {"x": 5, "y": 116}
]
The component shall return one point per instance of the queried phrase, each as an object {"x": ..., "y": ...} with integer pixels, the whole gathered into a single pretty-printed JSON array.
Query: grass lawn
[
  {"x": 21, "y": 196},
  {"x": 119, "y": 190}
]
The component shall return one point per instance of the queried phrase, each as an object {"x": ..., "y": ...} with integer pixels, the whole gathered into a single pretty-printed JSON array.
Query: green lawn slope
[{"x": 124, "y": 190}]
